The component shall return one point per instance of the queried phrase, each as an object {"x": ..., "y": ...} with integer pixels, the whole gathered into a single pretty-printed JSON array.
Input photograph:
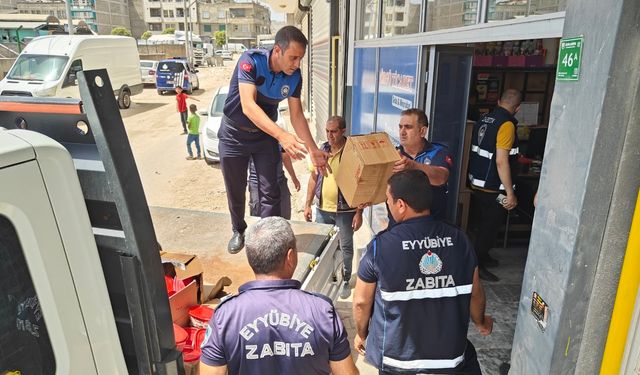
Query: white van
[
  {"x": 48, "y": 65},
  {"x": 236, "y": 47}
]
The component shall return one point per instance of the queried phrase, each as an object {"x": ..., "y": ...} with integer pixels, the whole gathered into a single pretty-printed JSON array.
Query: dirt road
[{"x": 154, "y": 131}]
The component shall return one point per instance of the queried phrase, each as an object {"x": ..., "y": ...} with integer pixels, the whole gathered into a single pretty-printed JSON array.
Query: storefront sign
[{"x": 569, "y": 59}]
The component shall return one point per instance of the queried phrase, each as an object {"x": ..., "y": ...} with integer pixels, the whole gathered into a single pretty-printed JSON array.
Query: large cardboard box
[{"x": 366, "y": 165}]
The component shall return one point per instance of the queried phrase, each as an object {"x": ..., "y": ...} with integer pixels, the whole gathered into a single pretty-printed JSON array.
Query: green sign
[{"x": 569, "y": 58}]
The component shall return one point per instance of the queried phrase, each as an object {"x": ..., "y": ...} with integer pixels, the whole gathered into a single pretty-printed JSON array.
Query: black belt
[{"x": 248, "y": 129}]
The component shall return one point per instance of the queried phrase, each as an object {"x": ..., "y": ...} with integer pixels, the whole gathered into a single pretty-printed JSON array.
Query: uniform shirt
[
  {"x": 272, "y": 327},
  {"x": 193, "y": 124},
  {"x": 423, "y": 270},
  {"x": 182, "y": 101},
  {"x": 253, "y": 68}
]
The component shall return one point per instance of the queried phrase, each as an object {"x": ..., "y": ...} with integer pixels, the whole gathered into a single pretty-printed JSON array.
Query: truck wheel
[{"x": 124, "y": 99}]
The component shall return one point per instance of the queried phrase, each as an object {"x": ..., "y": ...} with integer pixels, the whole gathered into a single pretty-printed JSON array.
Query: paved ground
[{"x": 196, "y": 189}]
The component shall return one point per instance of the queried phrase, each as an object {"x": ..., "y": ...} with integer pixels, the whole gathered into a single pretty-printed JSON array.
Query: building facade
[{"x": 244, "y": 21}]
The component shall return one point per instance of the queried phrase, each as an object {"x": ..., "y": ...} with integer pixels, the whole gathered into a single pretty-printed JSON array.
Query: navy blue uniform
[
  {"x": 272, "y": 327},
  {"x": 437, "y": 155},
  {"x": 423, "y": 270},
  {"x": 240, "y": 139}
]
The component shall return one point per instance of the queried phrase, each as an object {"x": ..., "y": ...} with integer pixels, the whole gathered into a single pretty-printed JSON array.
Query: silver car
[{"x": 148, "y": 70}]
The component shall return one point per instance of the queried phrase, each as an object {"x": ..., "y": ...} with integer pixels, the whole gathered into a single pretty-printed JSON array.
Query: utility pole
[
  {"x": 69, "y": 19},
  {"x": 186, "y": 32}
]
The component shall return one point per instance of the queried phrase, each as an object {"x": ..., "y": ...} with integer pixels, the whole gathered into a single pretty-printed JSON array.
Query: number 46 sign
[{"x": 569, "y": 58}]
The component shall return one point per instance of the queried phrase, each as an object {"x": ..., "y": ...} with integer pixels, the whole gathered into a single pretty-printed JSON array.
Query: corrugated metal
[
  {"x": 305, "y": 67},
  {"x": 320, "y": 63}
]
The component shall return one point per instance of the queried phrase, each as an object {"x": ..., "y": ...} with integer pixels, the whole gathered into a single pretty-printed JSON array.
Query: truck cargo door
[{"x": 41, "y": 326}]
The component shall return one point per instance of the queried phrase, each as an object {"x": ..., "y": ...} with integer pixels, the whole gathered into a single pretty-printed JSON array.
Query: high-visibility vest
[{"x": 483, "y": 171}]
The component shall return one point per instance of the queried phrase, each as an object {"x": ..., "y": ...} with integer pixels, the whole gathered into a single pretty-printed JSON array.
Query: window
[
  {"x": 154, "y": 26},
  {"x": 24, "y": 342},
  {"x": 222, "y": 15},
  {"x": 236, "y": 13},
  {"x": 38, "y": 67},
  {"x": 179, "y": 12},
  {"x": 72, "y": 76},
  {"x": 505, "y": 10},
  {"x": 445, "y": 15},
  {"x": 369, "y": 13},
  {"x": 207, "y": 28},
  {"x": 168, "y": 13},
  {"x": 404, "y": 17},
  {"x": 205, "y": 15},
  {"x": 154, "y": 12}
]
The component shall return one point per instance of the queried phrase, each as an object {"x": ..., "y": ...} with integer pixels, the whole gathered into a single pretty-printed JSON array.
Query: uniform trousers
[{"x": 237, "y": 145}]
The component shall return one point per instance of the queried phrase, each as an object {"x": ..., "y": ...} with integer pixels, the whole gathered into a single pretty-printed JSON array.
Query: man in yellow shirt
[
  {"x": 494, "y": 151},
  {"x": 332, "y": 207}
]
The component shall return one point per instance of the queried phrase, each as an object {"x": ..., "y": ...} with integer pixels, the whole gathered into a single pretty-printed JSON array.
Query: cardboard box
[
  {"x": 181, "y": 302},
  {"x": 186, "y": 266},
  {"x": 366, "y": 165}
]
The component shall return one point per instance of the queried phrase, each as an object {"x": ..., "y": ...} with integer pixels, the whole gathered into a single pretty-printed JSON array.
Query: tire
[
  {"x": 124, "y": 99},
  {"x": 209, "y": 161}
]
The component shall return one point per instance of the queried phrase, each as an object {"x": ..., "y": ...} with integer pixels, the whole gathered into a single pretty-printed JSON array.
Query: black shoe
[
  {"x": 345, "y": 291},
  {"x": 489, "y": 262},
  {"x": 236, "y": 243},
  {"x": 486, "y": 275}
]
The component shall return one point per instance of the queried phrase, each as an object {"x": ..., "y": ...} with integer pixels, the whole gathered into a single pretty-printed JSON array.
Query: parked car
[
  {"x": 148, "y": 71},
  {"x": 226, "y": 55},
  {"x": 209, "y": 132},
  {"x": 172, "y": 73}
]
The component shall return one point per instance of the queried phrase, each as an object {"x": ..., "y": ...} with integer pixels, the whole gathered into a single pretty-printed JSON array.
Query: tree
[
  {"x": 169, "y": 30},
  {"x": 120, "y": 31},
  {"x": 221, "y": 38},
  {"x": 146, "y": 35}
]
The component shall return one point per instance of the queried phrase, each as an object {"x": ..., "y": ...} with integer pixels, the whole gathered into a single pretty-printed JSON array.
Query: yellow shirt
[
  {"x": 506, "y": 136},
  {"x": 329, "y": 192}
]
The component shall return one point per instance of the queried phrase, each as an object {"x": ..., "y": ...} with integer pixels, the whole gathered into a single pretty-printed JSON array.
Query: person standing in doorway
[
  {"x": 332, "y": 207},
  {"x": 416, "y": 152},
  {"x": 494, "y": 151},
  {"x": 259, "y": 82},
  {"x": 181, "y": 107}
]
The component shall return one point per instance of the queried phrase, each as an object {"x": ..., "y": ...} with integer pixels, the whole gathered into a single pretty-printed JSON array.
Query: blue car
[{"x": 172, "y": 73}]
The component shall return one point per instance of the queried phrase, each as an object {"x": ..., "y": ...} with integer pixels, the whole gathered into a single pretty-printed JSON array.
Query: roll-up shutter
[
  {"x": 320, "y": 63},
  {"x": 305, "y": 67}
]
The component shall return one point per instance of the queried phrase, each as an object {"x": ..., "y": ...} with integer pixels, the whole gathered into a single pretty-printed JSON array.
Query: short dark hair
[
  {"x": 289, "y": 34},
  {"x": 342, "y": 124},
  {"x": 267, "y": 243},
  {"x": 193, "y": 108},
  {"x": 412, "y": 186},
  {"x": 512, "y": 97},
  {"x": 422, "y": 117}
]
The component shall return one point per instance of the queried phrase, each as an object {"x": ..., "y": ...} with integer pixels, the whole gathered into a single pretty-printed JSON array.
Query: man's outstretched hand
[
  {"x": 319, "y": 159},
  {"x": 293, "y": 146}
]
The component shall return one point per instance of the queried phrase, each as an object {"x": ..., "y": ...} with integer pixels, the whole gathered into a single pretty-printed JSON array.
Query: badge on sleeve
[{"x": 246, "y": 67}]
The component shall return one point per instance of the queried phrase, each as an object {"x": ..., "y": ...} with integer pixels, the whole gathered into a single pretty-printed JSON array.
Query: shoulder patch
[
  {"x": 319, "y": 295},
  {"x": 226, "y": 299},
  {"x": 247, "y": 67}
]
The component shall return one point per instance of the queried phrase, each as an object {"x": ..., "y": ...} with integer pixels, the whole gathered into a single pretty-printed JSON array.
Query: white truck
[
  {"x": 48, "y": 66},
  {"x": 83, "y": 289},
  {"x": 235, "y": 47}
]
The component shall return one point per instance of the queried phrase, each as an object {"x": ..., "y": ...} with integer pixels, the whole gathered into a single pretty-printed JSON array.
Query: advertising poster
[
  {"x": 364, "y": 91},
  {"x": 397, "y": 87}
]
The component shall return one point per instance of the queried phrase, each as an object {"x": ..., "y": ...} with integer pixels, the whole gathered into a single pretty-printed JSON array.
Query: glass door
[{"x": 452, "y": 76}]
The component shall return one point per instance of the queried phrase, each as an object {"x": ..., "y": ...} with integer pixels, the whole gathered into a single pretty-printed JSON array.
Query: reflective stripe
[
  {"x": 482, "y": 152},
  {"x": 423, "y": 363},
  {"x": 486, "y": 154},
  {"x": 426, "y": 293},
  {"x": 481, "y": 183}
]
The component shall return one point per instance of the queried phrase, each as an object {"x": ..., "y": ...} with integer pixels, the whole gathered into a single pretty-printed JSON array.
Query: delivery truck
[
  {"x": 48, "y": 66},
  {"x": 83, "y": 289}
]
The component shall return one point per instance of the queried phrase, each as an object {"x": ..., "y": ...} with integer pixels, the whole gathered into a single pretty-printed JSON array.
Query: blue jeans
[
  {"x": 193, "y": 138},
  {"x": 342, "y": 220}
]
